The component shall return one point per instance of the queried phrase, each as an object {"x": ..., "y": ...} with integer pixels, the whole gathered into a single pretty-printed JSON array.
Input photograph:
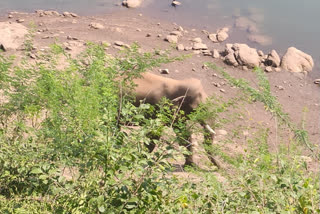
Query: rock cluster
[
  {"x": 242, "y": 55},
  {"x": 220, "y": 36}
]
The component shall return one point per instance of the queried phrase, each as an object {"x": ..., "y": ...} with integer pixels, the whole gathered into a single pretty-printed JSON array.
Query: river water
[{"x": 279, "y": 23}]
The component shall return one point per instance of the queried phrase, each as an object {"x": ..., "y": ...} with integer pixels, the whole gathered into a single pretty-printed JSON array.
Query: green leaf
[
  {"x": 101, "y": 209},
  {"x": 36, "y": 171}
]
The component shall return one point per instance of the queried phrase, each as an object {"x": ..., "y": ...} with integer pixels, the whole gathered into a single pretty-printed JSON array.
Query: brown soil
[{"x": 128, "y": 26}]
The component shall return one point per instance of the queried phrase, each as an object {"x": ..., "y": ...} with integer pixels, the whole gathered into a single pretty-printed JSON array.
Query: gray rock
[
  {"x": 95, "y": 25},
  {"x": 164, "y": 71},
  {"x": 213, "y": 37},
  {"x": 20, "y": 20},
  {"x": 132, "y": 3},
  {"x": 199, "y": 46},
  {"x": 222, "y": 34},
  {"x": 246, "y": 55},
  {"x": 215, "y": 54},
  {"x": 180, "y": 47},
  {"x": 231, "y": 60},
  {"x": 316, "y": 81},
  {"x": 176, "y": 3},
  {"x": 67, "y": 14},
  {"x": 260, "y": 53},
  {"x": 297, "y": 61},
  {"x": 268, "y": 69},
  {"x": 176, "y": 33},
  {"x": 171, "y": 39},
  {"x": 119, "y": 43},
  {"x": 273, "y": 59}
]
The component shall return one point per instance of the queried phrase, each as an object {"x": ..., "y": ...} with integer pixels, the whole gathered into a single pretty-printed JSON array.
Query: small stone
[
  {"x": 193, "y": 69},
  {"x": 138, "y": 29},
  {"x": 260, "y": 53},
  {"x": 205, "y": 32},
  {"x": 222, "y": 90},
  {"x": 158, "y": 23},
  {"x": 199, "y": 46},
  {"x": 268, "y": 69},
  {"x": 45, "y": 37},
  {"x": 32, "y": 56},
  {"x": 66, "y": 14},
  {"x": 188, "y": 48},
  {"x": 148, "y": 35},
  {"x": 74, "y": 15},
  {"x": 206, "y": 53},
  {"x": 216, "y": 84},
  {"x": 172, "y": 39},
  {"x": 164, "y": 71},
  {"x": 180, "y": 28},
  {"x": 20, "y": 20},
  {"x": 316, "y": 81},
  {"x": 277, "y": 69},
  {"x": 180, "y": 47},
  {"x": 279, "y": 87},
  {"x": 245, "y": 68},
  {"x": 176, "y": 3},
  {"x": 215, "y": 54},
  {"x": 119, "y": 43},
  {"x": 176, "y": 33},
  {"x": 213, "y": 37},
  {"x": 159, "y": 35},
  {"x": 140, "y": 14},
  {"x": 10, "y": 16},
  {"x": 95, "y": 25}
]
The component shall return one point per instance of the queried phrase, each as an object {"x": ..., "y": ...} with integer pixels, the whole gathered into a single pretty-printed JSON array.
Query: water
[{"x": 285, "y": 22}]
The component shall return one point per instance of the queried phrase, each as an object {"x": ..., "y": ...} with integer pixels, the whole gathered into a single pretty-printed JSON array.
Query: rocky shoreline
[{"x": 237, "y": 55}]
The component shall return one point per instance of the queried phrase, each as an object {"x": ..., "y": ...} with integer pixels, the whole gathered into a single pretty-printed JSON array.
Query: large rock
[
  {"x": 297, "y": 61},
  {"x": 199, "y": 46},
  {"x": 246, "y": 56},
  {"x": 273, "y": 59},
  {"x": 171, "y": 38},
  {"x": 222, "y": 34},
  {"x": 132, "y": 3},
  {"x": 12, "y": 35}
]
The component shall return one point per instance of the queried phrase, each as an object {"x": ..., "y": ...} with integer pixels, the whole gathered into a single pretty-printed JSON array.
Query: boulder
[
  {"x": 215, "y": 54},
  {"x": 222, "y": 34},
  {"x": 295, "y": 60},
  {"x": 132, "y": 3},
  {"x": 213, "y": 37},
  {"x": 171, "y": 39},
  {"x": 246, "y": 55},
  {"x": 12, "y": 35},
  {"x": 95, "y": 25},
  {"x": 231, "y": 60},
  {"x": 273, "y": 59},
  {"x": 199, "y": 46}
]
